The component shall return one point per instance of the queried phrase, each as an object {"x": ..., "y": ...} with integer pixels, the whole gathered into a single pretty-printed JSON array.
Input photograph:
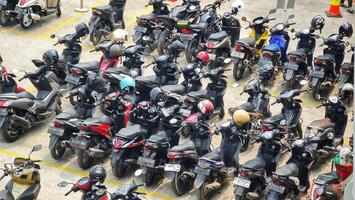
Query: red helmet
[
  {"x": 203, "y": 56},
  {"x": 206, "y": 107}
]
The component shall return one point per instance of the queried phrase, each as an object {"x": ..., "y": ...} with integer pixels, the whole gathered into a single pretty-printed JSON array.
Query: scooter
[
  {"x": 5, "y": 15},
  {"x": 29, "y": 11},
  {"x": 20, "y": 111},
  {"x": 247, "y": 51},
  {"x": 25, "y": 180}
]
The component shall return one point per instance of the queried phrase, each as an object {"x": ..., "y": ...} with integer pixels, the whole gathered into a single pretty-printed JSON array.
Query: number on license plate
[
  {"x": 318, "y": 74},
  {"x": 199, "y": 170},
  {"x": 72, "y": 79},
  {"x": 186, "y": 36},
  {"x": 237, "y": 54},
  {"x": 291, "y": 66},
  {"x": 78, "y": 144},
  {"x": 212, "y": 56},
  {"x": 146, "y": 162},
  {"x": 56, "y": 131},
  {"x": 277, "y": 188},
  {"x": 241, "y": 182},
  {"x": 3, "y": 112},
  {"x": 172, "y": 167},
  {"x": 184, "y": 112}
]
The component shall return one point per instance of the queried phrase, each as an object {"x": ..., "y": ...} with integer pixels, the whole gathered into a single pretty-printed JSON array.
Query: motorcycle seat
[
  {"x": 88, "y": 66},
  {"x": 274, "y": 48},
  {"x": 298, "y": 52},
  {"x": 245, "y": 106},
  {"x": 289, "y": 170},
  {"x": 256, "y": 163},
  {"x": 148, "y": 17},
  {"x": 200, "y": 27},
  {"x": 160, "y": 137},
  {"x": 178, "y": 89},
  {"x": 31, "y": 192},
  {"x": 218, "y": 36},
  {"x": 68, "y": 114},
  {"x": 275, "y": 120},
  {"x": 19, "y": 95},
  {"x": 321, "y": 124},
  {"x": 105, "y": 8},
  {"x": 131, "y": 132},
  {"x": 149, "y": 80},
  {"x": 214, "y": 155},
  {"x": 328, "y": 178},
  {"x": 198, "y": 94},
  {"x": 98, "y": 120},
  {"x": 249, "y": 41},
  {"x": 186, "y": 146},
  {"x": 5, "y": 194}
]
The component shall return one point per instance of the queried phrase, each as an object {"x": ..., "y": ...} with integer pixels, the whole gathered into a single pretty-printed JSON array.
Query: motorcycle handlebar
[
  {"x": 22, "y": 78},
  {"x": 70, "y": 191},
  {"x": 274, "y": 103}
]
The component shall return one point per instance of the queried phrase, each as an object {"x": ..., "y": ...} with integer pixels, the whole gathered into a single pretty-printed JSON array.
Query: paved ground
[{"x": 18, "y": 47}]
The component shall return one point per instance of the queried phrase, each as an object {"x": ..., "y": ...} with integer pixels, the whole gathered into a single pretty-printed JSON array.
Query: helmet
[
  {"x": 346, "y": 29},
  {"x": 94, "y": 82},
  {"x": 50, "y": 57},
  {"x": 203, "y": 57},
  {"x": 116, "y": 50},
  {"x": 127, "y": 82},
  {"x": 348, "y": 87},
  {"x": 252, "y": 86},
  {"x": 237, "y": 6},
  {"x": 156, "y": 94},
  {"x": 206, "y": 107},
  {"x": 343, "y": 155},
  {"x": 317, "y": 22},
  {"x": 97, "y": 174},
  {"x": 120, "y": 35},
  {"x": 188, "y": 69},
  {"x": 81, "y": 29},
  {"x": 241, "y": 117}
]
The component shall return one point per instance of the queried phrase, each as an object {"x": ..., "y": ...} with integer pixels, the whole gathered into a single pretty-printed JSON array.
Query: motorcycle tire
[
  {"x": 73, "y": 100},
  {"x": 180, "y": 187},
  {"x": 316, "y": 90},
  {"x": 26, "y": 21},
  {"x": 290, "y": 84},
  {"x": 245, "y": 143},
  {"x": 148, "y": 178},
  {"x": 202, "y": 192},
  {"x": 238, "y": 70},
  {"x": 191, "y": 49},
  {"x": 96, "y": 35},
  {"x": 58, "y": 11},
  {"x": 163, "y": 42},
  {"x": 8, "y": 134},
  {"x": 85, "y": 161},
  {"x": 58, "y": 151},
  {"x": 120, "y": 169},
  {"x": 4, "y": 18}
]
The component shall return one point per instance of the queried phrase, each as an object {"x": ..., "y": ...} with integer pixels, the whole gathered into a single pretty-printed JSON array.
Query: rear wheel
[
  {"x": 10, "y": 132},
  {"x": 84, "y": 159},
  {"x": 148, "y": 177},
  {"x": 96, "y": 35},
  {"x": 164, "y": 42},
  {"x": 58, "y": 151},
  {"x": 245, "y": 143},
  {"x": 73, "y": 100},
  {"x": 4, "y": 17},
  {"x": 238, "y": 70},
  {"x": 191, "y": 50},
  {"x": 316, "y": 91},
  {"x": 120, "y": 168},
  {"x": 180, "y": 184}
]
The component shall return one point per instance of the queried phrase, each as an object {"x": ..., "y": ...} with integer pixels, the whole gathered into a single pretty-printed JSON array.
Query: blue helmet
[{"x": 127, "y": 82}]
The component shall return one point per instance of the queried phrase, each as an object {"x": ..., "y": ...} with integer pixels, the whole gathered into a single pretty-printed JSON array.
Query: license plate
[
  {"x": 212, "y": 56},
  {"x": 318, "y": 74},
  {"x": 277, "y": 188},
  {"x": 172, "y": 167},
  {"x": 199, "y": 170},
  {"x": 146, "y": 162},
  {"x": 3, "y": 2},
  {"x": 77, "y": 143},
  {"x": 185, "y": 37},
  {"x": 241, "y": 182},
  {"x": 291, "y": 66},
  {"x": 72, "y": 79},
  {"x": 3, "y": 112},
  {"x": 184, "y": 112},
  {"x": 237, "y": 54},
  {"x": 56, "y": 131},
  {"x": 140, "y": 29}
]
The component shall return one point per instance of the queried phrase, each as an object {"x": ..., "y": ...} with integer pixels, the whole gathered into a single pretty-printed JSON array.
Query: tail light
[
  {"x": 277, "y": 181},
  {"x": 150, "y": 146},
  {"x": 210, "y": 45},
  {"x": 266, "y": 128},
  {"x": 292, "y": 59},
  {"x": 345, "y": 70},
  {"x": 95, "y": 12},
  {"x": 244, "y": 172},
  {"x": 117, "y": 143},
  {"x": 134, "y": 145},
  {"x": 74, "y": 71},
  {"x": 2, "y": 103},
  {"x": 267, "y": 55},
  {"x": 22, "y": 2},
  {"x": 238, "y": 47},
  {"x": 171, "y": 156},
  {"x": 319, "y": 62},
  {"x": 58, "y": 124},
  {"x": 186, "y": 31}
]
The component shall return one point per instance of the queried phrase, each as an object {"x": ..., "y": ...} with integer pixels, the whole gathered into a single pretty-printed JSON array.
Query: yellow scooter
[
  {"x": 25, "y": 178},
  {"x": 247, "y": 50}
]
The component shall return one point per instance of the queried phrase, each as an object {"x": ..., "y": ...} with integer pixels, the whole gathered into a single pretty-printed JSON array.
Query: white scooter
[{"x": 30, "y": 10}]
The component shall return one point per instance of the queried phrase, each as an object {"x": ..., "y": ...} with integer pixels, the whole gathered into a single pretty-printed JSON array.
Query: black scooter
[
  {"x": 101, "y": 19},
  {"x": 5, "y": 16}
]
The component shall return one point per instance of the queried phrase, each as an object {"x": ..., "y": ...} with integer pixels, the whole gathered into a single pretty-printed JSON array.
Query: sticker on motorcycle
[
  {"x": 241, "y": 182},
  {"x": 172, "y": 167},
  {"x": 146, "y": 162},
  {"x": 56, "y": 131},
  {"x": 237, "y": 54}
]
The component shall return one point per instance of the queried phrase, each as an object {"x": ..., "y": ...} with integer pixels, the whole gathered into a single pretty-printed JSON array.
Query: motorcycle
[
  {"x": 346, "y": 80},
  {"x": 20, "y": 111},
  {"x": 8, "y": 83},
  {"x": 29, "y": 11},
  {"x": 89, "y": 189},
  {"x": 5, "y": 16},
  {"x": 25, "y": 180},
  {"x": 129, "y": 192},
  {"x": 247, "y": 51},
  {"x": 101, "y": 23}
]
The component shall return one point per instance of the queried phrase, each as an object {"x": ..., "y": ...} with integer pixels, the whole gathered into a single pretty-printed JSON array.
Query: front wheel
[
  {"x": 96, "y": 35},
  {"x": 9, "y": 131},
  {"x": 4, "y": 18},
  {"x": 191, "y": 50},
  {"x": 119, "y": 170},
  {"x": 73, "y": 100},
  {"x": 26, "y": 21},
  {"x": 164, "y": 42},
  {"x": 57, "y": 152},
  {"x": 58, "y": 12},
  {"x": 148, "y": 177},
  {"x": 181, "y": 183},
  {"x": 238, "y": 69}
]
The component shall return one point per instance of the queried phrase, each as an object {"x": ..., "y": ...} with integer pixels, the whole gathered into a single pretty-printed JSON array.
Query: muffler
[
  {"x": 20, "y": 121},
  {"x": 326, "y": 84},
  {"x": 96, "y": 153},
  {"x": 35, "y": 16}
]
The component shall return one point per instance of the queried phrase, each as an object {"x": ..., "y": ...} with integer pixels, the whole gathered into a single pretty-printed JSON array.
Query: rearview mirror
[
  {"x": 291, "y": 16},
  {"x": 138, "y": 172},
  {"x": 244, "y": 19},
  {"x": 272, "y": 11},
  {"x": 52, "y": 36},
  {"x": 37, "y": 147},
  {"x": 317, "y": 97},
  {"x": 62, "y": 184},
  {"x": 293, "y": 30}
]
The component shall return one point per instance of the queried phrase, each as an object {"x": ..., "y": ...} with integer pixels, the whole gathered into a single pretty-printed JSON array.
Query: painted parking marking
[{"x": 81, "y": 173}]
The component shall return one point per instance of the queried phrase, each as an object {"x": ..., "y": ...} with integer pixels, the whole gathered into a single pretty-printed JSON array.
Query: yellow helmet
[{"x": 241, "y": 117}]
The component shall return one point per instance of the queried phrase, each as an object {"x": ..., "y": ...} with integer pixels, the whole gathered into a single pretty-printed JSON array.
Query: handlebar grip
[
  {"x": 274, "y": 103},
  {"x": 66, "y": 194},
  {"x": 22, "y": 78},
  {"x": 3, "y": 176},
  {"x": 319, "y": 106}
]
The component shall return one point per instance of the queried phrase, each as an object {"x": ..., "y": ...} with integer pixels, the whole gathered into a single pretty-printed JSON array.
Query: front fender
[
  {"x": 92, "y": 23},
  {"x": 200, "y": 179}
]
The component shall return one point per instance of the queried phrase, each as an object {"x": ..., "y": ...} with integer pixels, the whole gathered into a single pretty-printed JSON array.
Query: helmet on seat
[
  {"x": 188, "y": 70},
  {"x": 318, "y": 23},
  {"x": 127, "y": 83},
  {"x": 50, "y": 57},
  {"x": 156, "y": 94},
  {"x": 97, "y": 174},
  {"x": 203, "y": 57},
  {"x": 237, "y": 6},
  {"x": 241, "y": 117},
  {"x": 346, "y": 29},
  {"x": 206, "y": 107},
  {"x": 81, "y": 30},
  {"x": 120, "y": 35}
]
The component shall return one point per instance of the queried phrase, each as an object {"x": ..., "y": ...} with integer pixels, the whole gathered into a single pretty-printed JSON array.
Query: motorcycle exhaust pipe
[
  {"x": 96, "y": 152},
  {"x": 326, "y": 84},
  {"x": 35, "y": 16},
  {"x": 20, "y": 121}
]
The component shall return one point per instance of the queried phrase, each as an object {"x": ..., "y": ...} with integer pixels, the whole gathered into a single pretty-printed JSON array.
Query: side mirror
[
  {"x": 37, "y": 147},
  {"x": 244, "y": 19},
  {"x": 52, "y": 36},
  {"x": 272, "y": 11},
  {"x": 138, "y": 172},
  {"x": 291, "y": 16},
  {"x": 303, "y": 82},
  {"x": 62, "y": 184}
]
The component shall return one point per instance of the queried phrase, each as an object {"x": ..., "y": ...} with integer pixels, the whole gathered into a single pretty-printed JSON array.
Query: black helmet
[
  {"x": 156, "y": 94},
  {"x": 50, "y": 57},
  {"x": 346, "y": 29},
  {"x": 97, "y": 174},
  {"x": 94, "y": 82},
  {"x": 188, "y": 69},
  {"x": 318, "y": 23},
  {"x": 81, "y": 29}
]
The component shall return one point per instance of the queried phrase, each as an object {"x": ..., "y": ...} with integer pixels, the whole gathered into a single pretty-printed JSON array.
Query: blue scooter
[{"x": 274, "y": 55}]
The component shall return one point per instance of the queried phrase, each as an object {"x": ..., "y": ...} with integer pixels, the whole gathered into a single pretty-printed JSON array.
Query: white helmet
[
  {"x": 237, "y": 6},
  {"x": 120, "y": 35},
  {"x": 343, "y": 155},
  {"x": 348, "y": 87}
]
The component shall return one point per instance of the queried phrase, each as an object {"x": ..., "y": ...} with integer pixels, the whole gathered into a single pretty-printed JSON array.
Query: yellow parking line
[{"x": 84, "y": 173}]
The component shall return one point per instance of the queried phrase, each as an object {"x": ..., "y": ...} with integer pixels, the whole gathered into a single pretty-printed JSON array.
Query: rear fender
[
  {"x": 53, "y": 140},
  {"x": 93, "y": 21}
]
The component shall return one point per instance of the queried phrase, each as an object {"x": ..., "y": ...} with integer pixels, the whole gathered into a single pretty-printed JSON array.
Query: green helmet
[{"x": 127, "y": 82}]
